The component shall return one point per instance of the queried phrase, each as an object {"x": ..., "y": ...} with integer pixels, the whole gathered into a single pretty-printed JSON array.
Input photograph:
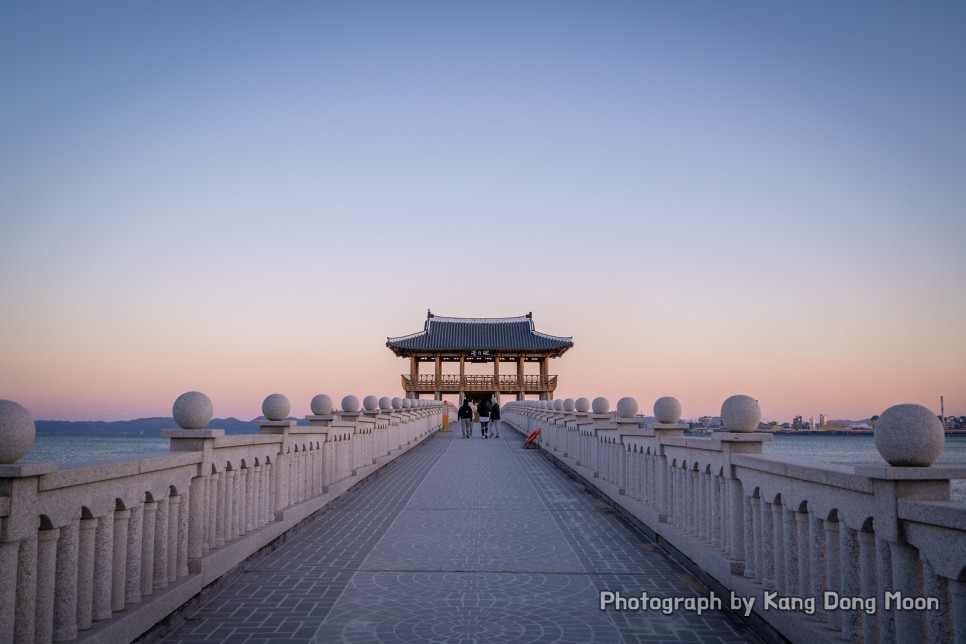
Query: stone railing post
[
  {"x": 740, "y": 416},
  {"x": 321, "y": 422},
  {"x": 383, "y": 423},
  {"x": 626, "y": 424},
  {"x": 192, "y": 411},
  {"x": 348, "y": 423},
  {"x": 366, "y": 428}
]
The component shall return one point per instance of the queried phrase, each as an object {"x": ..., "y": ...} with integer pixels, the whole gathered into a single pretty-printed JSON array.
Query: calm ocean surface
[{"x": 842, "y": 450}]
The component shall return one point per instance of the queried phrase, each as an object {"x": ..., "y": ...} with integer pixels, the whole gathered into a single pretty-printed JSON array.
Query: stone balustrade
[
  {"x": 826, "y": 552},
  {"x": 105, "y": 552}
]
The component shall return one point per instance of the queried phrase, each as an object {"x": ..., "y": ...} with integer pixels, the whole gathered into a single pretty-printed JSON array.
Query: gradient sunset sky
[{"x": 242, "y": 198}]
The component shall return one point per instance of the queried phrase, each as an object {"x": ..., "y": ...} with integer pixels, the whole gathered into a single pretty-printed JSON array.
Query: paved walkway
[{"x": 471, "y": 541}]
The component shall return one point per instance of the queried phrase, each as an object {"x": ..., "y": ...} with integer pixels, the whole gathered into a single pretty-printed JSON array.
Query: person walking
[
  {"x": 465, "y": 416},
  {"x": 495, "y": 418},
  {"x": 484, "y": 411}
]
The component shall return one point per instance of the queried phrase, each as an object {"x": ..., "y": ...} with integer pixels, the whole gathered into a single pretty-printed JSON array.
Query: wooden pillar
[
  {"x": 544, "y": 381},
  {"x": 438, "y": 387},
  {"x": 496, "y": 375},
  {"x": 462, "y": 374},
  {"x": 413, "y": 376}
]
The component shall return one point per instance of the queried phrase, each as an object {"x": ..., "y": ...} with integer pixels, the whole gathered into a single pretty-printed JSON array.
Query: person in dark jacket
[
  {"x": 495, "y": 419},
  {"x": 483, "y": 409},
  {"x": 465, "y": 415}
]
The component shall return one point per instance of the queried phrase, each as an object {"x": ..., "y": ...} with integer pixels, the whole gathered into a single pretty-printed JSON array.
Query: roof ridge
[{"x": 519, "y": 318}]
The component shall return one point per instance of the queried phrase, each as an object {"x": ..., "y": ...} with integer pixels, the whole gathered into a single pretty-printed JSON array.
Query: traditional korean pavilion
[{"x": 479, "y": 340}]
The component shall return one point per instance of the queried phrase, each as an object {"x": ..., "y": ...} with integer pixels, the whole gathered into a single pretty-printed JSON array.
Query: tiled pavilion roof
[{"x": 444, "y": 334}]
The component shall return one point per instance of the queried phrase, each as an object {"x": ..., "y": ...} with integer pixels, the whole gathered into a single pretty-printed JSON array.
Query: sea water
[{"x": 855, "y": 449}]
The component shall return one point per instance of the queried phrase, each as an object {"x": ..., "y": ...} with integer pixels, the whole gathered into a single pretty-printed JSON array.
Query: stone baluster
[
  {"x": 86, "y": 555},
  {"x": 256, "y": 486},
  {"x": 867, "y": 583},
  {"x": 103, "y": 563},
  {"x": 160, "y": 546},
  {"x": 778, "y": 547},
  {"x": 717, "y": 516},
  {"x": 758, "y": 539},
  {"x": 816, "y": 546},
  {"x": 25, "y": 613},
  {"x": 222, "y": 509},
  {"x": 46, "y": 582},
  {"x": 804, "y": 558},
  {"x": 147, "y": 547},
  {"x": 767, "y": 571},
  {"x": 135, "y": 552},
  {"x": 122, "y": 520},
  {"x": 229, "y": 504},
  {"x": 790, "y": 550},
  {"x": 174, "y": 519},
  {"x": 240, "y": 507},
  {"x": 735, "y": 520},
  {"x": 247, "y": 494},
  {"x": 65, "y": 583},
  {"x": 832, "y": 562},
  {"x": 750, "y": 538},
  {"x": 9, "y": 551},
  {"x": 216, "y": 505},
  {"x": 848, "y": 577}
]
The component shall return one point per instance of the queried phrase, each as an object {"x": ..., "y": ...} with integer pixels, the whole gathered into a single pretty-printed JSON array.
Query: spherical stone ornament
[
  {"x": 350, "y": 404},
  {"x": 582, "y": 405},
  {"x": 909, "y": 436},
  {"x": 667, "y": 410},
  {"x": 569, "y": 404},
  {"x": 385, "y": 403},
  {"x": 397, "y": 403},
  {"x": 740, "y": 414},
  {"x": 276, "y": 407},
  {"x": 321, "y": 405},
  {"x": 407, "y": 403},
  {"x": 558, "y": 405},
  {"x": 17, "y": 431},
  {"x": 370, "y": 403},
  {"x": 627, "y": 407},
  {"x": 192, "y": 410},
  {"x": 601, "y": 405}
]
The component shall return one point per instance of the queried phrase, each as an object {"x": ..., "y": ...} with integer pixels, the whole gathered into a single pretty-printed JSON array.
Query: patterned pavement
[{"x": 469, "y": 541}]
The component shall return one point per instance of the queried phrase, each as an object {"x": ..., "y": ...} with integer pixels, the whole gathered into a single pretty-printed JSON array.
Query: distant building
[
  {"x": 797, "y": 423},
  {"x": 821, "y": 420},
  {"x": 511, "y": 342}
]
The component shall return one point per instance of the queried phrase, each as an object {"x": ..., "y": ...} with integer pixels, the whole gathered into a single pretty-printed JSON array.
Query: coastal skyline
[{"x": 711, "y": 200}]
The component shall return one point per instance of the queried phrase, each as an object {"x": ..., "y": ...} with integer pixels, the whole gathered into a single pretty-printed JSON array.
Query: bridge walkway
[{"x": 471, "y": 541}]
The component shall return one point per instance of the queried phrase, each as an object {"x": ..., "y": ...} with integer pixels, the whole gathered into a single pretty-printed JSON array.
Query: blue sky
[{"x": 761, "y": 198}]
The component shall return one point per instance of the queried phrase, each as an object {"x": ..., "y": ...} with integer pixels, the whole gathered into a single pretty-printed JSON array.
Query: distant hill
[{"x": 138, "y": 427}]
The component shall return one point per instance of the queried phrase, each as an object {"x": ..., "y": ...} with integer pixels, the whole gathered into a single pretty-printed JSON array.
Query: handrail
[{"x": 820, "y": 552}]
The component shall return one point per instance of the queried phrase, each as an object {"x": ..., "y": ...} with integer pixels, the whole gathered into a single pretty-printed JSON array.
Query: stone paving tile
[{"x": 466, "y": 541}]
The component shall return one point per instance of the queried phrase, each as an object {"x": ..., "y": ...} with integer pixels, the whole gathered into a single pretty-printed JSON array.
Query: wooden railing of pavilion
[{"x": 453, "y": 382}]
